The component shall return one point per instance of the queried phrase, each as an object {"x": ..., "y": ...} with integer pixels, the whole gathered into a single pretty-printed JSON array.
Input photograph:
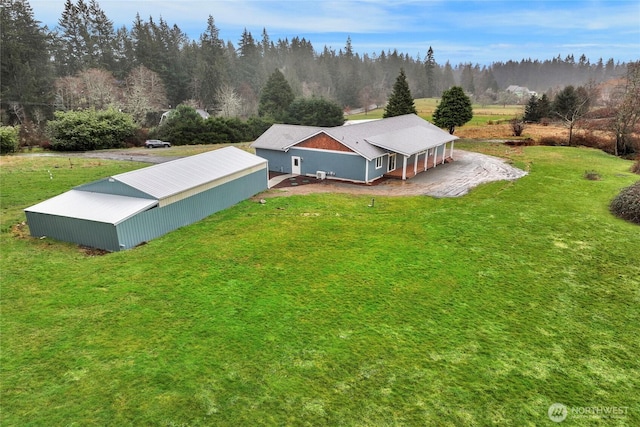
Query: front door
[{"x": 295, "y": 165}]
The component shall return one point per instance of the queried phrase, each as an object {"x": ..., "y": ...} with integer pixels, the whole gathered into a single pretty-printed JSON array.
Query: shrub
[
  {"x": 635, "y": 168},
  {"x": 626, "y": 204},
  {"x": 594, "y": 140},
  {"x": 592, "y": 175},
  {"x": 315, "y": 112},
  {"x": 90, "y": 130},
  {"x": 517, "y": 126},
  {"x": 8, "y": 139},
  {"x": 551, "y": 140},
  {"x": 526, "y": 142},
  {"x": 185, "y": 127}
]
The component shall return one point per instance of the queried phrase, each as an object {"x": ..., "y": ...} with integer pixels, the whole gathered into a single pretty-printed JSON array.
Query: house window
[
  {"x": 392, "y": 162},
  {"x": 378, "y": 162}
]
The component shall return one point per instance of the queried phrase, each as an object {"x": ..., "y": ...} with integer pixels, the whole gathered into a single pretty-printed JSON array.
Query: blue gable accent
[{"x": 112, "y": 186}]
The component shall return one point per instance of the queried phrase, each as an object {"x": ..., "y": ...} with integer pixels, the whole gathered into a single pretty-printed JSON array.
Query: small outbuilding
[
  {"x": 399, "y": 147},
  {"x": 122, "y": 211}
]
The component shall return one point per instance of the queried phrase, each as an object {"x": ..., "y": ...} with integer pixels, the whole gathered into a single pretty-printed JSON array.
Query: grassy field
[
  {"x": 482, "y": 114},
  {"x": 318, "y": 310}
]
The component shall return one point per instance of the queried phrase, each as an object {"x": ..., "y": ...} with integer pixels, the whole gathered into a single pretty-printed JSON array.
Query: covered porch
[{"x": 421, "y": 161}]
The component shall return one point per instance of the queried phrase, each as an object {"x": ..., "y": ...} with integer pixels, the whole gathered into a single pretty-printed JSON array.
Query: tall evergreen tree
[
  {"x": 73, "y": 43},
  {"x": 544, "y": 107},
  {"x": 531, "y": 110},
  {"x": 454, "y": 109},
  {"x": 430, "y": 70},
  {"x": 276, "y": 97},
  {"x": 249, "y": 57},
  {"x": 570, "y": 105},
  {"x": 25, "y": 80},
  {"x": 101, "y": 37},
  {"x": 211, "y": 67},
  {"x": 466, "y": 79},
  {"x": 400, "y": 102},
  {"x": 448, "y": 80}
]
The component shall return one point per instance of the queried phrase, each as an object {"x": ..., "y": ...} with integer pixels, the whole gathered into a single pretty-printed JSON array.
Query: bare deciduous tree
[
  {"x": 91, "y": 88},
  {"x": 625, "y": 104},
  {"x": 100, "y": 88},
  {"x": 229, "y": 102},
  {"x": 145, "y": 93}
]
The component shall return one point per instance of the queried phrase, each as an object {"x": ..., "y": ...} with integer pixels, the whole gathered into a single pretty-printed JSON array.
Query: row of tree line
[
  {"x": 94, "y": 129},
  {"x": 153, "y": 65}
]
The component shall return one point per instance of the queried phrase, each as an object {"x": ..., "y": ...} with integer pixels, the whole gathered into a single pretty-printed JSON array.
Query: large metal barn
[{"x": 122, "y": 211}]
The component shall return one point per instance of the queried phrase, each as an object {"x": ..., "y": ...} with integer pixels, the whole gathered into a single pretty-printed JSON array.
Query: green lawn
[
  {"x": 319, "y": 310},
  {"x": 482, "y": 114}
]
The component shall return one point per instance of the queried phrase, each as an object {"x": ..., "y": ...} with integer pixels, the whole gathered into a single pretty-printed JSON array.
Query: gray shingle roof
[{"x": 408, "y": 134}]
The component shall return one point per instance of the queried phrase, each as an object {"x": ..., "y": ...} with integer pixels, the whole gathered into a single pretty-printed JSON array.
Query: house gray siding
[
  {"x": 377, "y": 173},
  {"x": 279, "y": 161},
  {"x": 336, "y": 164},
  {"x": 83, "y": 232}
]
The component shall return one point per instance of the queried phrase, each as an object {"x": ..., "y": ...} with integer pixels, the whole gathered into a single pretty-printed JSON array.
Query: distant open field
[
  {"x": 321, "y": 310},
  {"x": 482, "y": 114}
]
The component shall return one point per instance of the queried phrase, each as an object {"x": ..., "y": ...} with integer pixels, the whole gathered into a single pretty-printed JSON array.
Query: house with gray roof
[
  {"x": 124, "y": 210},
  {"x": 399, "y": 147}
]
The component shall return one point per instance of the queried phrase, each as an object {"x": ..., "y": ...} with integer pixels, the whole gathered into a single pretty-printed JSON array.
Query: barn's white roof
[
  {"x": 408, "y": 134},
  {"x": 98, "y": 207},
  {"x": 170, "y": 178},
  {"x": 178, "y": 178}
]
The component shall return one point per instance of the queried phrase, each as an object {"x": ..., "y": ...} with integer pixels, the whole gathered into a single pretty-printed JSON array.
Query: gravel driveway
[
  {"x": 137, "y": 155},
  {"x": 455, "y": 179}
]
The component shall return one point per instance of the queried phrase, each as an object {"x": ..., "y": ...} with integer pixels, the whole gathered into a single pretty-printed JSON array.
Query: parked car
[{"x": 153, "y": 143}]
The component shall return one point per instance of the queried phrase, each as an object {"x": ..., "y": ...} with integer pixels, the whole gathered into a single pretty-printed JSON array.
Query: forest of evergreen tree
[{"x": 36, "y": 61}]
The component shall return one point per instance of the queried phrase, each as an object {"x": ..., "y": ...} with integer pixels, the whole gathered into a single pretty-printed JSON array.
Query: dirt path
[
  {"x": 137, "y": 155},
  {"x": 455, "y": 179}
]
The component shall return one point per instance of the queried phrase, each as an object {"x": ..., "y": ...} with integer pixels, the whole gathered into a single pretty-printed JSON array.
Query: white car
[{"x": 153, "y": 143}]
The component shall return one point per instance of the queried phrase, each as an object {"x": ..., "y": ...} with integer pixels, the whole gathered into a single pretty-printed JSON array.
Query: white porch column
[
  {"x": 426, "y": 158},
  {"x": 415, "y": 164},
  {"x": 404, "y": 167},
  {"x": 451, "y": 155},
  {"x": 444, "y": 151},
  {"x": 435, "y": 156}
]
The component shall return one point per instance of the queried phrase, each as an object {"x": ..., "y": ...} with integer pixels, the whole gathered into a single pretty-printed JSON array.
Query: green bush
[
  {"x": 8, "y": 139},
  {"x": 185, "y": 127},
  {"x": 315, "y": 112},
  {"x": 90, "y": 130},
  {"x": 626, "y": 204}
]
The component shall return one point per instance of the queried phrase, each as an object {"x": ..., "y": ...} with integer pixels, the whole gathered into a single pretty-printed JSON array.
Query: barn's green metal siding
[
  {"x": 151, "y": 223},
  {"x": 158, "y": 221},
  {"x": 83, "y": 232}
]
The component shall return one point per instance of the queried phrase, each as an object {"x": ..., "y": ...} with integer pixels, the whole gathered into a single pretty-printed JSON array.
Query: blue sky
[{"x": 459, "y": 31}]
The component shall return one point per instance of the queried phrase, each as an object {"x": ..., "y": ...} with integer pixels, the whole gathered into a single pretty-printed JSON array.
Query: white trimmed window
[{"x": 379, "y": 162}]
